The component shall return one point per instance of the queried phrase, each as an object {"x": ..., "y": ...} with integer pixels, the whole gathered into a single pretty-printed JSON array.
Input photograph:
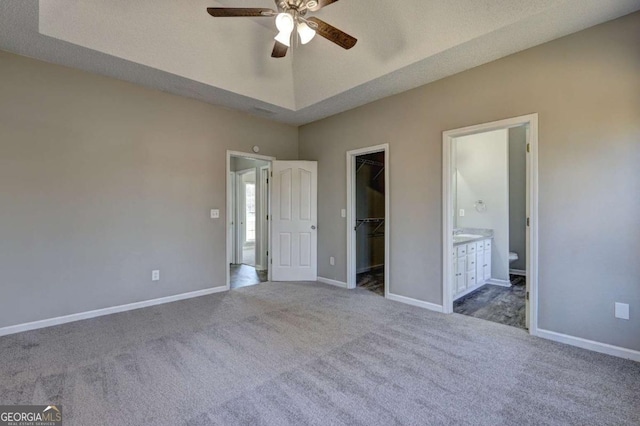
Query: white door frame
[
  {"x": 232, "y": 223},
  {"x": 351, "y": 215},
  {"x": 262, "y": 259},
  {"x": 532, "y": 207},
  {"x": 229, "y": 205}
]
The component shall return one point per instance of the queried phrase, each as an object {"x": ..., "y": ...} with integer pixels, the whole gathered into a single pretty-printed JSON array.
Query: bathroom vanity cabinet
[{"x": 471, "y": 266}]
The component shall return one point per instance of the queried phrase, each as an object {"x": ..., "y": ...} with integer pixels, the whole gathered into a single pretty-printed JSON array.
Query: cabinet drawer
[
  {"x": 462, "y": 250},
  {"x": 471, "y": 248},
  {"x": 480, "y": 245},
  {"x": 487, "y": 244},
  {"x": 471, "y": 262}
]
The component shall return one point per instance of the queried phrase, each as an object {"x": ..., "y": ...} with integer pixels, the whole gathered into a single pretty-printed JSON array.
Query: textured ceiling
[{"x": 175, "y": 46}]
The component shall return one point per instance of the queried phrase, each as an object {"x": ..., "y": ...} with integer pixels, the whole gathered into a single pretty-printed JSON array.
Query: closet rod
[
  {"x": 369, "y": 220},
  {"x": 364, "y": 162}
]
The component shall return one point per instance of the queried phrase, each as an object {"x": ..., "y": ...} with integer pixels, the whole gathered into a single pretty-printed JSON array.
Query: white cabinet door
[
  {"x": 471, "y": 279},
  {"x": 487, "y": 264},
  {"x": 480, "y": 267},
  {"x": 461, "y": 274},
  {"x": 294, "y": 203}
]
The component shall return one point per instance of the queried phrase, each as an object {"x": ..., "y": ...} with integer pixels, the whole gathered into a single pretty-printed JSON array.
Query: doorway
[
  {"x": 368, "y": 219},
  {"x": 490, "y": 221},
  {"x": 247, "y": 210}
]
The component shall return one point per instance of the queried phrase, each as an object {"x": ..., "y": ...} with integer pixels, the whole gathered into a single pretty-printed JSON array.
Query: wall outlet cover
[
  {"x": 155, "y": 275},
  {"x": 622, "y": 311},
  {"x": 215, "y": 213},
  {"x": 332, "y": 261}
]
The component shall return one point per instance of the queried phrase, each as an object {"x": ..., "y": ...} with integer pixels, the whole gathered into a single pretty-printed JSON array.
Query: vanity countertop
[{"x": 470, "y": 235}]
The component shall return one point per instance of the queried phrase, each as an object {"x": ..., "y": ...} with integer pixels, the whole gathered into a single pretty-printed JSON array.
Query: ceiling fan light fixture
[
  {"x": 305, "y": 32},
  {"x": 284, "y": 38},
  {"x": 285, "y": 23}
]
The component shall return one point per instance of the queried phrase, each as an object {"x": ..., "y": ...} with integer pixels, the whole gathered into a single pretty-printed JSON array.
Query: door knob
[{"x": 313, "y": 227}]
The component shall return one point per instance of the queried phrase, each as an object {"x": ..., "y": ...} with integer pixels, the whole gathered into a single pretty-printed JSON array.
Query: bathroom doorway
[{"x": 489, "y": 222}]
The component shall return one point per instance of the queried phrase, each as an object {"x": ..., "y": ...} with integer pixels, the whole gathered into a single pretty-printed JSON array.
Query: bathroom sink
[
  {"x": 466, "y": 236},
  {"x": 461, "y": 238}
]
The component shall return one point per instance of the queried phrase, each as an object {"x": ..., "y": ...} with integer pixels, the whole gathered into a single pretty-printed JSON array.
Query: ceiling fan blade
[
  {"x": 279, "y": 50},
  {"x": 229, "y": 12},
  {"x": 321, "y": 4},
  {"x": 333, "y": 34}
]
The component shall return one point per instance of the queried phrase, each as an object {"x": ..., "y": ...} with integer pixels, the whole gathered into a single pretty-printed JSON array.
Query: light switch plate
[
  {"x": 332, "y": 261},
  {"x": 343, "y": 212},
  {"x": 155, "y": 275},
  {"x": 622, "y": 311},
  {"x": 215, "y": 213},
  {"x": 461, "y": 213}
]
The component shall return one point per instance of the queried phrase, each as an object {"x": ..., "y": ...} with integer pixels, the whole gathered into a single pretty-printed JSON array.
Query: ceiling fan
[{"x": 291, "y": 14}]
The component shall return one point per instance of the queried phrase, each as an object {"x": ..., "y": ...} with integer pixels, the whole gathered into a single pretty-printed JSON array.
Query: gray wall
[
  {"x": 586, "y": 90},
  {"x": 241, "y": 163},
  {"x": 482, "y": 174},
  {"x": 518, "y": 196},
  {"x": 102, "y": 181}
]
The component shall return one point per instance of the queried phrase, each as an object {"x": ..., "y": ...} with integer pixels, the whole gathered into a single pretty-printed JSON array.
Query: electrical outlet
[
  {"x": 332, "y": 261},
  {"x": 155, "y": 275},
  {"x": 622, "y": 311},
  {"x": 215, "y": 214}
]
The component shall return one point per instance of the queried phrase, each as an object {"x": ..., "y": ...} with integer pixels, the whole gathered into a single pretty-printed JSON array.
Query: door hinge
[
  {"x": 267, "y": 217},
  {"x": 272, "y": 261},
  {"x": 528, "y": 147},
  {"x": 528, "y": 222},
  {"x": 527, "y": 295},
  {"x": 271, "y": 174},
  {"x": 267, "y": 252},
  {"x": 267, "y": 181}
]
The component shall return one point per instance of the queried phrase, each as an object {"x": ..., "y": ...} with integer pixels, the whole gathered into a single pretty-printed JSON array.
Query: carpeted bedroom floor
[{"x": 286, "y": 353}]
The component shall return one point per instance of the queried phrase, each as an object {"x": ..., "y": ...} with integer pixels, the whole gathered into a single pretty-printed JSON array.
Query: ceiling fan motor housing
[{"x": 300, "y": 6}]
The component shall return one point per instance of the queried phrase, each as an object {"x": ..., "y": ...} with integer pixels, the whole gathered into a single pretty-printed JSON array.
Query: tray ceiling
[{"x": 175, "y": 46}]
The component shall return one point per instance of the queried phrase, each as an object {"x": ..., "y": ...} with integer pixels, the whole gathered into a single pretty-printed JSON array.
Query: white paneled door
[{"x": 294, "y": 210}]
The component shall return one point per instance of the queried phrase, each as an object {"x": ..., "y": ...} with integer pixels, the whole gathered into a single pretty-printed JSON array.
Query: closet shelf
[
  {"x": 362, "y": 162},
  {"x": 378, "y": 220}
]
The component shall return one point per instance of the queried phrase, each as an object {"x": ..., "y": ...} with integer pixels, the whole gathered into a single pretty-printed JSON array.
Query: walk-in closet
[{"x": 370, "y": 222}]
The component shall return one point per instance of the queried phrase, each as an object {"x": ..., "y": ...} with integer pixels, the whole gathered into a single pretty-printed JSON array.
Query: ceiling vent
[{"x": 263, "y": 110}]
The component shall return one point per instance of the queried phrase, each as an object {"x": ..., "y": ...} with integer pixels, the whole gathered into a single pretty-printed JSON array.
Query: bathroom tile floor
[{"x": 504, "y": 305}]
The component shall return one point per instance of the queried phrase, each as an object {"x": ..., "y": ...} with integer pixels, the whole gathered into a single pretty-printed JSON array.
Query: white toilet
[{"x": 513, "y": 256}]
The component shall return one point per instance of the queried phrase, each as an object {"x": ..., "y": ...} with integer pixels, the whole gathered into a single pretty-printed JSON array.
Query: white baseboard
[
  {"x": 332, "y": 282},
  {"x": 591, "y": 345},
  {"x": 501, "y": 283},
  {"x": 415, "y": 302},
  {"x": 12, "y": 329},
  {"x": 518, "y": 272},
  {"x": 369, "y": 268}
]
